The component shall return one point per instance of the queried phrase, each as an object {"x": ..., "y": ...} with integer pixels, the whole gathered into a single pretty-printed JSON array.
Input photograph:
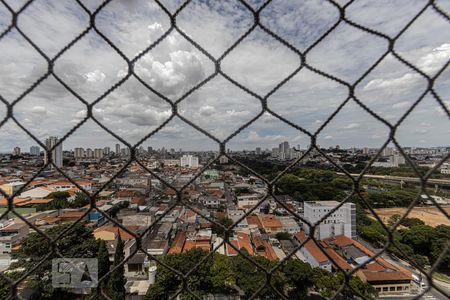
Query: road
[
  {"x": 431, "y": 295},
  {"x": 229, "y": 196},
  {"x": 441, "y": 182}
]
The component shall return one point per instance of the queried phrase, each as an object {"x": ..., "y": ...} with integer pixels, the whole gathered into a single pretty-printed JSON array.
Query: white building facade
[
  {"x": 190, "y": 161},
  {"x": 340, "y": 222}
]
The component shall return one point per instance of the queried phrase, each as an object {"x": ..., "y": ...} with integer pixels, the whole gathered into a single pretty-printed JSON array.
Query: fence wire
[{"x": 303, "y": 64}]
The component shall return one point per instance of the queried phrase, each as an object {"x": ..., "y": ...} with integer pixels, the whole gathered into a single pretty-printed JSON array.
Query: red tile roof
[
  {"x": 178, "y": 242},
  {"x": 312, "y": 248}
]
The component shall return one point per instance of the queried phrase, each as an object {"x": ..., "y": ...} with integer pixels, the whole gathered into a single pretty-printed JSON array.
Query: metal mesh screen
[{"x": 303, "y": 64}]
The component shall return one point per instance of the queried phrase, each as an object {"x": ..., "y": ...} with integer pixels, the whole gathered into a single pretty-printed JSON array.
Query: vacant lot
[{"x": 430, "y": 215}]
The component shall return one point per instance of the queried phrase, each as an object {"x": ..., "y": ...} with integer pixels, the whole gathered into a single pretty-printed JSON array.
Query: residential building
[
  {"x": 89, "y": 153},
  {"x": 16, "y": 151},
  {"x": 56, "y": 153},
  {"x": 189, "y": 161},
  {"x": 12, "y": 187},
  {"x": 311, "y": 253},
  {"x": 445, "y": 168},
  {"x": 79, "y": 153},
  {"x": 340, "y": 222},
  {"x": 11, "y": 235},
  {"x": 35, "y": 150},
  {"x": 98, "y": 153}
]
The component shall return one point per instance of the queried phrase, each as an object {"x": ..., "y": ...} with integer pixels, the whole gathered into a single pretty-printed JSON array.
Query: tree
[
  {"x": 168, "y": 282},
  {"x": 117, "y": 281},
  {"x": 299, "y": 276},
  {"x": 222, "y": 275},
  {"x": 103, "y": 262},
  {"x": 77, "y": 242},
  {"x": 59, "y": 200},
  {"x": 80, "y": 200},
  {"x": 283, "y": 235}
]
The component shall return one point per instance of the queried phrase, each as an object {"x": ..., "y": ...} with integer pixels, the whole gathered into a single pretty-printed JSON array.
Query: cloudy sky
[{"x": 260, "y": 62}]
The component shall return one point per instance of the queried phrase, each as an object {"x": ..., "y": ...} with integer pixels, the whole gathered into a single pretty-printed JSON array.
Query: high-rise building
[
  {"x": 190, "y": 161},
  {"x": 388, "y": 151},
  {"x": 341, "y": 222},
  {"x": 397, "y": 159},
  {"x": 149, "y": 150},
  {"x": 78, "y": 153},
  {"x": 57, "y": 153},
  {"x": 98, "y": 153},
  {"x": 16, "y": 151},
  {"x": 117, "y": 149},
  {"x": 258, "y": 151},
  {"x": 125, "y": 151},
  {"x": 284, "y": 151},
  {"x": 106, "y": 150},
  {"x": 275, "y": 152},
  {"x": 35, "y": 150},
  {"x": 89, "y": 153}
]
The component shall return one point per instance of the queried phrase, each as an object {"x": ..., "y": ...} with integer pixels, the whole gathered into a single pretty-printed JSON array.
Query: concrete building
[
  {"x": 445, "y": 168},
  {"x": 117, "y": 149},
  {"x": 190, "y": 161},
  {"x": 98, "y": 153},
  {"x": 275, "y": 152},
  {"x": 16, "y": 151},
  {"x": 106, "y": 151},
  {"x": 79, "y": 153},
  {"x": 12, "y": 235},
  {"x": 35, "y": 150},
  {"x": 311, "y": 253},
  {"x": 57, "y": 152},
  {"x": 341, "y": 222},
  {"x": 89, "y": 153},
  {"x": 12, "y": 187}
]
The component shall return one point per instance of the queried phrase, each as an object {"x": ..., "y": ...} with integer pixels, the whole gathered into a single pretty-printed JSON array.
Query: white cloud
[
  {"x": 91, "y": 66},
  {"x": 95, "y": 76},
  {"x": 352, "y": 126}
]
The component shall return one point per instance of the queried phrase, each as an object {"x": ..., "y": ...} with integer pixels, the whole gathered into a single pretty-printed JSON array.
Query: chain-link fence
[{"x": 174, "y": 104}]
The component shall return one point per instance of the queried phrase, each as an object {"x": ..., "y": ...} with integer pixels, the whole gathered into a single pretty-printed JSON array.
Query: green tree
[
  {"x": 80, "y": 200},
  {"x": 77, "y": 242},
  {"x": 117, "y": 281},
  {"x": 283, "y": 235},
  {"x": 103, "y": 262},
  {"x": 299, "y": 276},
  {"x": 222, "y": 275},
  {"x": 59, "y": 200}
]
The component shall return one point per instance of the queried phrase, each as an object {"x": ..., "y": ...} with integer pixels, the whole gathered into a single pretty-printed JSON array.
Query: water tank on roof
[{"x": 152, "y": 274}]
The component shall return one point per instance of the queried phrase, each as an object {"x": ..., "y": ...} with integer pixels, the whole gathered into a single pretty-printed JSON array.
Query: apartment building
[{"x": 340, "y": 222}]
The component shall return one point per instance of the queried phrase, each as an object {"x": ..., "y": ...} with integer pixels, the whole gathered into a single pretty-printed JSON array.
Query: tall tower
[{"x": 57, "y": 153}]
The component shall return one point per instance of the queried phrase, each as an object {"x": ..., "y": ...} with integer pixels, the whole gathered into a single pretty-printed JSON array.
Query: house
[
  {"x": 385, "y": 277},
  {"x": 270, "y": 223},
  {"x": 40, "y": 192},
  {"x": 11, "y": 235},
  {"x": 312, "y": 253}
]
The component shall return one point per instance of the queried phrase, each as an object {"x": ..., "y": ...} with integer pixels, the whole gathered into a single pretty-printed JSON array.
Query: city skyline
[
  {"x": 219, "y": 107},
  {"x": 113, "y": 148}
]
